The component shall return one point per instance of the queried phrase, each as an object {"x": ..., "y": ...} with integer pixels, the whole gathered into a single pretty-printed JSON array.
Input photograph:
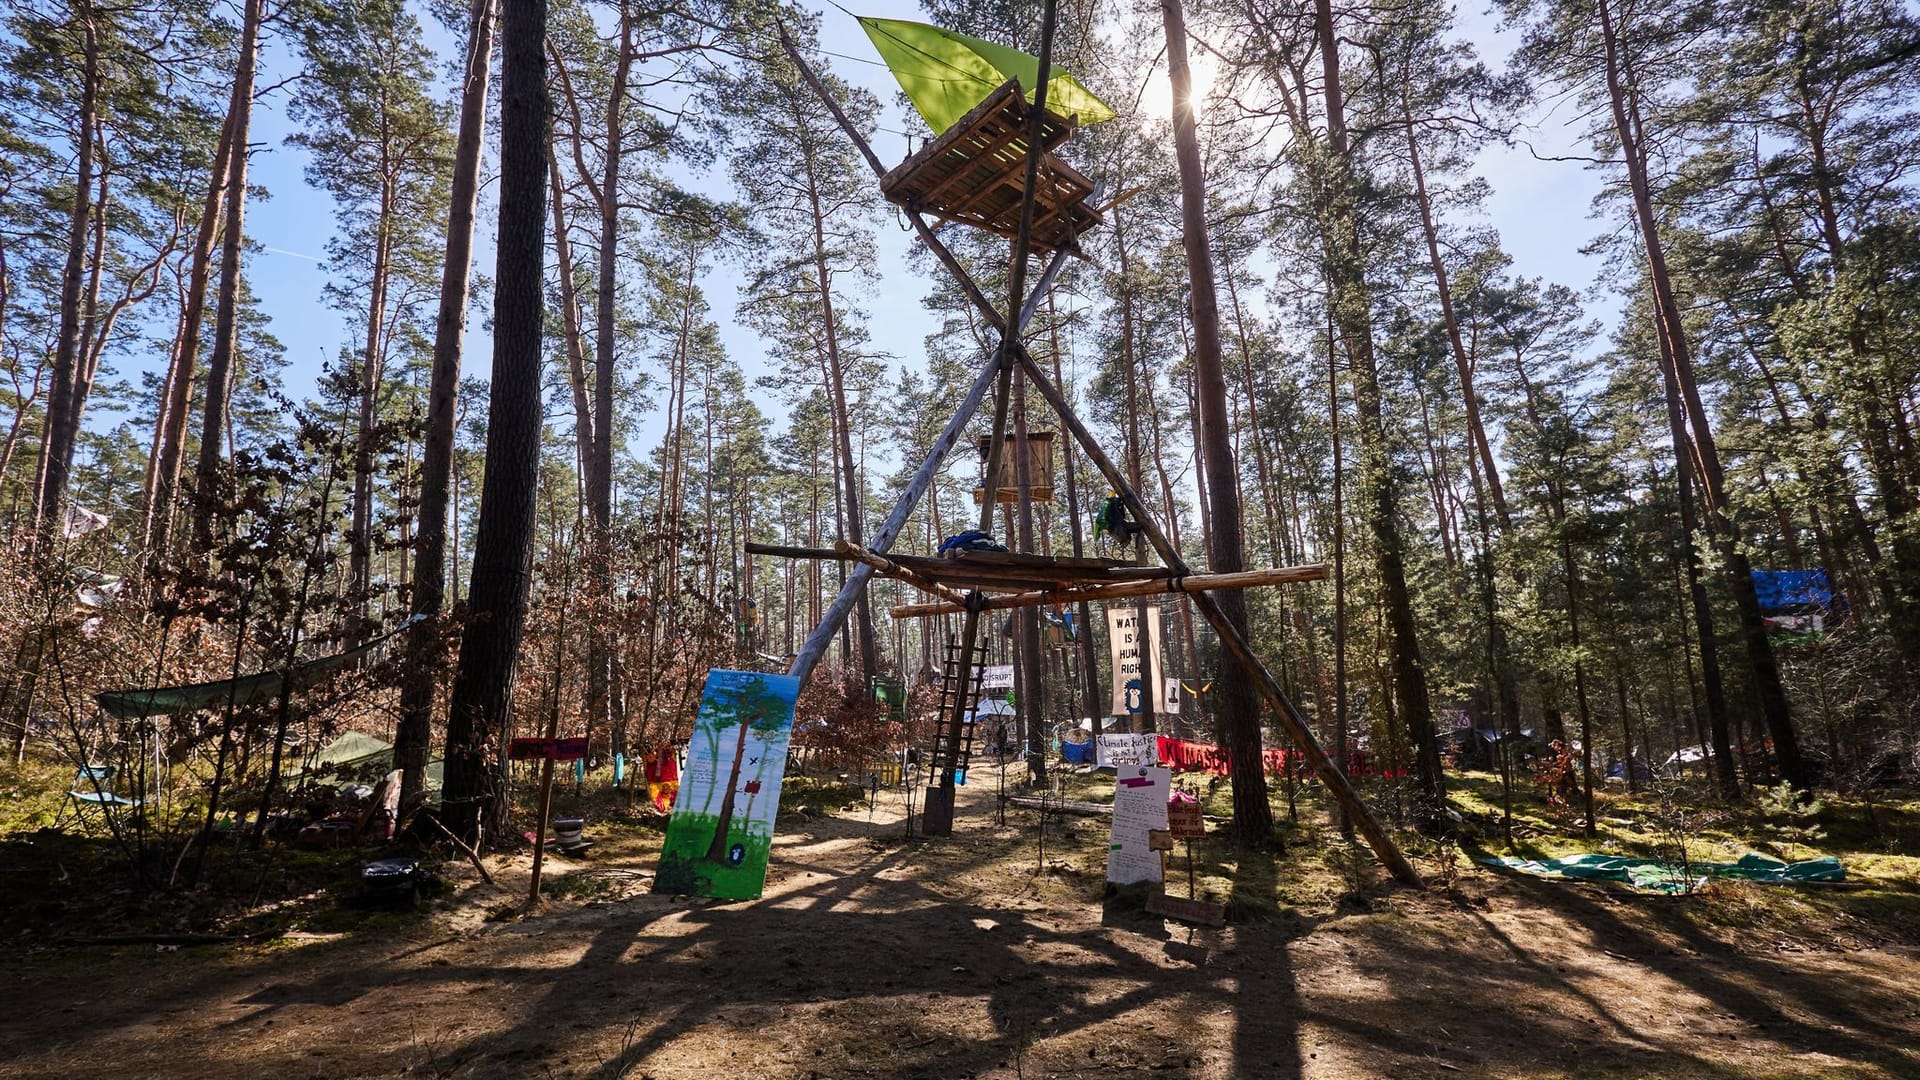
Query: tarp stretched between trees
[
  {"x": 245, "y": 690},
  {"x": 1663, "y": 876},
  {"x": 945, "y": 74}
]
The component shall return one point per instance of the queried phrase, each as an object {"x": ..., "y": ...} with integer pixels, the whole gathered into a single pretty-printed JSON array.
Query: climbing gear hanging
[{"x": 1111, "y": 518}]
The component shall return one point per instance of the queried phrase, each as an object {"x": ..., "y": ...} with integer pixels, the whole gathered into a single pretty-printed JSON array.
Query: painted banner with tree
[{"x": 717, "y": 842}]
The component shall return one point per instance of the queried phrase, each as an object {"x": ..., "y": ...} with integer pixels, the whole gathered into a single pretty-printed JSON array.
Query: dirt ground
[{"x": 873, "y": 956}]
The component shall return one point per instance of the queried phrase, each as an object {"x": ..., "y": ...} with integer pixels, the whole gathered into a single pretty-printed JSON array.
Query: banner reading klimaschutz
[{"x": 722, "y": 827}]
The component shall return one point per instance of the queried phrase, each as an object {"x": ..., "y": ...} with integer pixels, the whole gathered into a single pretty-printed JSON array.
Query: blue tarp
[{"x": 1790, "y": 590}]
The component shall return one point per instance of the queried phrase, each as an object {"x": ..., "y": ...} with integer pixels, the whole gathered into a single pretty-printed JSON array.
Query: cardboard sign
[
  {"x": 1119, "y": 750},
  {"x": 722, "y": 829},
  {"x": 541, "y": 749},
  {"x": 1203, "y": 912},
  {"x": 1139, "y": 808},
  {"x": 1160, "y": 839},
  {"x": 1184, "y": 819}
]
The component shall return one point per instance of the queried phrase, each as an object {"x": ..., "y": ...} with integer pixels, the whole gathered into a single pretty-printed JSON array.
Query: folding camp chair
[{"x": 91, "y": 789}]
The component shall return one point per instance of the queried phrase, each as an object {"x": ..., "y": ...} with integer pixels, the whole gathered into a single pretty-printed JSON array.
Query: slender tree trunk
[
  {"x": 1340, "y": 722},
  {"x": 1135, "y": 448},
  {"x": 1350, "y": 301},
  {"x": 1089, "y": 668},
  {"x": 56, "y": 452},
  {"x": 158, "y": 516},
  {"x": 843, "y": 438},
  {"x": 479, "y": 717},
  {"x": 600, "y": 462},
  {"x": 1676, "y": 353},
  {"x": 413, "y": 734},
  {"x": 360, "y": 535},
  {"x": 226, "y": 323},
  {"x": 1238, "y": 708},
  {"x": 570, "y": 325}
]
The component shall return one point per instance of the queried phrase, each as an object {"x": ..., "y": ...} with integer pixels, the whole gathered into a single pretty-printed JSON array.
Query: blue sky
[{"x": 1542, "y": 209}]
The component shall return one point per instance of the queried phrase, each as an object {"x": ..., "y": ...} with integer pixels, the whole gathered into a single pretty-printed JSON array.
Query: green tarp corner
[
  {"x": 1658, "y": 875},
  {"x": 945, "y": 74}
]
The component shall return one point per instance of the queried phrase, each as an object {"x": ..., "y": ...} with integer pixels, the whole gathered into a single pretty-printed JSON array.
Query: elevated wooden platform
[
  {"x": 1008, "y": 580},
  {"x": 975, "y": 174}
]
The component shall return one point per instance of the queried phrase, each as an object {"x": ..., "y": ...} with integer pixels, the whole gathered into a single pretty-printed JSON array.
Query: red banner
[
  {"x": 541, "y": 749},
  {"x": 1205, "y": 757}
]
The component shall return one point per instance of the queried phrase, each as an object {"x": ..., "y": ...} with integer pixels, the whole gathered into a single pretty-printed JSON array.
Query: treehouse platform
[{"x": 974, "y": 173}]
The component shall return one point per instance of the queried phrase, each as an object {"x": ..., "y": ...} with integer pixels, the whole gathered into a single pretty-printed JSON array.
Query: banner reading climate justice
[{"x": 1124, "y": 639}]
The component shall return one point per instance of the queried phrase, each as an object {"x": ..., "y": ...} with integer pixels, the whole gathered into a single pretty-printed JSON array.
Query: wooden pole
[
  {"x": 886, "y": 567},
  {"x": 1245, "y": 579},
  {"x": 546, "y": 807},
  {"x": 1296, "y": 727}
]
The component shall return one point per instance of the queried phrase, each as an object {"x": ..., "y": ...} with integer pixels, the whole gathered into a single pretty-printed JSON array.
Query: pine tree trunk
[
  {"x": 165, "y": 492},
  {"x": 1089, "y": 668},
  {"x": 480, "y": 715},
  {"x": 1237, "y": 706},
  {"x": 599, "y": 472},
  {"x": 851, "y": 484},
  {"x": 1350, "y": 304},
  {"x": 413, "y": 734},
  {"x": 56, "y": 450},
  {"x": 1677, "y": 355},
  {"x": 360, "y": 535},
  {"x": 226, "y": 329}
]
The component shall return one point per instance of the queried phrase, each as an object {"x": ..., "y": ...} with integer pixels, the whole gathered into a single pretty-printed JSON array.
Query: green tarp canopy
[
  {"x": 357, "y": 752},
  {"x": 246, "y": 690},
  {"x": 1659, "y": 875},
  {"x": 945, "y": 74}
]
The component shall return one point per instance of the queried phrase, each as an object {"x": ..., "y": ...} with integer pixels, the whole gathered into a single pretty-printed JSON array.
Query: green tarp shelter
[
  {"x": 356, "y": 751},
  {"x": 945, "y": 74},
  {"x": 245, "y": 690},
  {"x": 1659, "y": 875}
]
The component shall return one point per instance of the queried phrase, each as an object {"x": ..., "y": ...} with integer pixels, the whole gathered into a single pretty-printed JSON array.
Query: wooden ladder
[{"x": 959, "y": 690}]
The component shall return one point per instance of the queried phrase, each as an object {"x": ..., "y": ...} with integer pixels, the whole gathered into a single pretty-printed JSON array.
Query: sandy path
[{"x": 870, "y": 956}]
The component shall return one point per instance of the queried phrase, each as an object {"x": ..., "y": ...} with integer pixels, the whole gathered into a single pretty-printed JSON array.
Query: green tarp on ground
[
  {"x": 945, "y": 74},
  {"x": 1659, "y": 875}
]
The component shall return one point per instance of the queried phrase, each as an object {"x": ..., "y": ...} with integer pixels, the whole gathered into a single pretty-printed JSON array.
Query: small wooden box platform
[{"x": 975, "y": 173}]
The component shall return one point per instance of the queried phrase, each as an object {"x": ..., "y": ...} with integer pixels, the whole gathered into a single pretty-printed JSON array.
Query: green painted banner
[{"x": 722, "y": 827}]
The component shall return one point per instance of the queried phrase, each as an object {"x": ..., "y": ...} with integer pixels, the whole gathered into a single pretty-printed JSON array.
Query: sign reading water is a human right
[
  {"x": 1139, "y": 808},
  {"x": 1125, "y": 641},
  {"x": 722, "y": 828}
]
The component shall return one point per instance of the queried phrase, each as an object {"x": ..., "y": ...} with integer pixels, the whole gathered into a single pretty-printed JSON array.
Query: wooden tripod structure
[{"x": 997, "y": 373}]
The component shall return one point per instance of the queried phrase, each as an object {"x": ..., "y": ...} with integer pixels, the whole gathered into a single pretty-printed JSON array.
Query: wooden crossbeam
[
  {"x": 886, "y": 567},
  {"x": 1243, "y": 579}
]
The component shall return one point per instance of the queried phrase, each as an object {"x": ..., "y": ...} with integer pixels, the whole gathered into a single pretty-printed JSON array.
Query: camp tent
[
  {"x": 945, "y": 74},
  {"x": 357, "y": 752}
]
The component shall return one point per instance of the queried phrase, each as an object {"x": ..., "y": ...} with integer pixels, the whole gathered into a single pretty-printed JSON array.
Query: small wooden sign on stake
[{"x": 1184, "y": 822}]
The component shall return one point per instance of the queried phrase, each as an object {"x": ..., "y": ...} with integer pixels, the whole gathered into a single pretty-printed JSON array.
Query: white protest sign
[
  {"x": 1139, "y": 806},
  {"x": 1117, "y": 750},
  {"x": 996, "y": 677},
  {"x": 1124, "y": 641}
]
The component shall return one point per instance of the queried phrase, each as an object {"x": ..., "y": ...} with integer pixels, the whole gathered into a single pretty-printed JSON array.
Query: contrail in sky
[{"x": 295, "y": 254}]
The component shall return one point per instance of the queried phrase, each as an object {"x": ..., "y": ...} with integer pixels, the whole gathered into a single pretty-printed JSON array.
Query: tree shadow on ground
[{"x": 874, "y": 956}]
